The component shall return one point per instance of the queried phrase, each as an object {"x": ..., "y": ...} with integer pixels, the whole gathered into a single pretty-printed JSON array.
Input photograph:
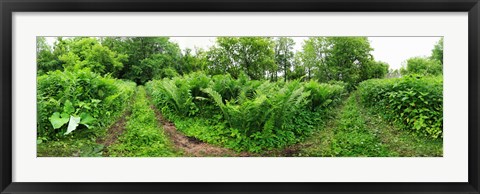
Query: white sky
[{"x": 392, "y": 50}]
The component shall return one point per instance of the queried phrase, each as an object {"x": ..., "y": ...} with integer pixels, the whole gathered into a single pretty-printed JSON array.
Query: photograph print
[{"x": 239, "y": 96}]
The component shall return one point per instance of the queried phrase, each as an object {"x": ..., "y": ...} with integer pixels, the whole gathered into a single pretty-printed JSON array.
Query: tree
[
  {"x": 253, "y": 55},
  {"x": 437, "y": 52},
  {"x": 313, "y": 58},
  {"x": 298, "y": 67},
  {"x": 148, "y": 57},
  {"x": 376, "y": 69},
  {"x": 348, "y": 58},
  {"x": 192, "y": 62},
  {"x": 393, "y": 73},
  {"x": 422, "y": 66},
  {"x": 46, "y": 60},
  {"x": 82, "y": 52},
  {"x": 284, "y": 55}
]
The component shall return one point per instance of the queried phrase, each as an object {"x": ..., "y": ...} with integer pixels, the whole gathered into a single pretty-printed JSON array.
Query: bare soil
[
  {"x": 115, "y": 131},
  {"x": 191, "y": 146}
]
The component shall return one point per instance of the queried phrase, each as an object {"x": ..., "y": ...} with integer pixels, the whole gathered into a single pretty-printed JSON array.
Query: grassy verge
[
  {"x": 353, "y": 138},
  {"x": 318, "y": 144},
  {"x": 143, "y": 136},
  {"x": 68, "y": 147},
  {"x": 355, "y": 131},
  {"x": 405, "y": 143}
]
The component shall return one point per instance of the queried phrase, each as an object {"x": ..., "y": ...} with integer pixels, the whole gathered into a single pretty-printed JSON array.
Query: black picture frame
[{"x": 10, "y": 6}]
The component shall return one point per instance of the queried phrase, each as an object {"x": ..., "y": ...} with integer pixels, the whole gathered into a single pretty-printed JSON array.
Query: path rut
[{"x": 191, "y": 146}]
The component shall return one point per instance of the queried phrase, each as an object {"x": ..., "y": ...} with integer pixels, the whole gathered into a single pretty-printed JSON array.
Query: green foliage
[
  {"x": 142, "y": 136},
  {"x": 422, "y": 66},
  {"x": 252, "y": 55},
  {"x": 46, "y": 60},
  {"x": 79, "y": 93},
  {"x": 148, "y": 57},
  {"x": 345, "y": 59},
  {"x": 376, "y": 69},
  {"x": 414, "y": 101},
  {"x": 80, "y": 97},
  {"x": 322, "y": 95},
  {"x": 244, "y": 114},
  {"x": 353, "y": 138},
  {"x": 284, "y": 56},
  {"x": 68, "y": 147},
  {"x": 79, "y": 53},
  {"x": 437, "y": 52}
]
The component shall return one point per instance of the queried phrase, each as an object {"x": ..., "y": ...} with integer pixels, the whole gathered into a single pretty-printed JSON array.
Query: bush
[
  {"x": 244, "y": 114},
  {"x": 82, "y": 97},
  {"x": 416, "y": 102}
]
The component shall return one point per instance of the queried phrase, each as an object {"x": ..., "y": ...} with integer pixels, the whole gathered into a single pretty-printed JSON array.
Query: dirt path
[
  {"x": 318, "y": 144},
  {"x": 115, "y": 130},
  {"x": 191, "y": 146}
]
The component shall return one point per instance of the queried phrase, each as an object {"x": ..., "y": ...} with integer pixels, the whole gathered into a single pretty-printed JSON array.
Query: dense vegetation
[
  {"x": 415, "y": 102},
  {"x": 249, "y": 94},
  {"x": 80, "y": 97},
  {"x": 82, "y": 101},
  {"x": 244, "y": 114}
]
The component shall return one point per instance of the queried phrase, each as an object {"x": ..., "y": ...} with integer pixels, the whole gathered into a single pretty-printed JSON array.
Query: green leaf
[
  {"x": 58, "y": 121},
  {"x": 86, "y": 119},
  {"x": 72, "y": 125},
  {"x": 68, "y": 108}
]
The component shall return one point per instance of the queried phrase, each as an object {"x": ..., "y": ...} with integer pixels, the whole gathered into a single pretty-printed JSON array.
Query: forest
[{"x": 240, "y": 97}]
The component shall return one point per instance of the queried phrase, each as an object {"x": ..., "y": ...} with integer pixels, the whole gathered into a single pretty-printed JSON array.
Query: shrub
[
  {"x": 81, "y": 97},
  {"x": 416, "y": 102}
]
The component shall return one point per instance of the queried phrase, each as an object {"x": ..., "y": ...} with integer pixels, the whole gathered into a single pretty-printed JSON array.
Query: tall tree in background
[
  {"x": 313, "y": 58},
  {"x": 141, "y": 59},
  {"x": 148, "y": 57},
  {"x": 79, "y": 53},
  {"x": 432, "y": 65},
  {"x": 376, "y": 69},
  {"x": 347, "y": 59},
  {"x": 422, "y": 66},
  {"x": 298, "y": 67},
  {"x": 193, "y": 61},
  {"x": 253, "y": 55},
  {"x": 46, "y": 60},
  {"x": 284, "y": 55},
  {"x": 437, "y": 52}
]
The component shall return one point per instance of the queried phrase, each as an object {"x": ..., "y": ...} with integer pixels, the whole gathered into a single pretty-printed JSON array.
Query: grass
[
  {"x": 318, "y": 144},
  {"x": 353, "y": 138},
  {"x": 405, "y": 143},
  {"x": 143, "y": 137},
  {"x": 69, "y": 147},
  {"x": 355, "y": 131}
]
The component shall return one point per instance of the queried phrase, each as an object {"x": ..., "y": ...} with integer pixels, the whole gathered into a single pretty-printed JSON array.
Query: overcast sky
[{"x": 392, "y": 50}]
